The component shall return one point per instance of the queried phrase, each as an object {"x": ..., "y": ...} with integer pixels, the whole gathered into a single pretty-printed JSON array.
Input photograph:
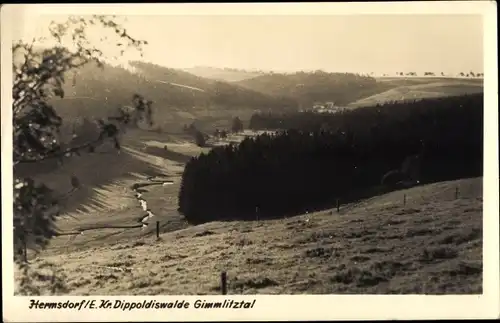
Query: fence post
[
  {"x": 338, "y": 205},
  {"x": 456, "y": 192},
  {"x": 404, "y": 199},
  {"x": 25, "y": 250},
  {"x": 223, "y": 283},
  {"x": 157, "y": 229}
]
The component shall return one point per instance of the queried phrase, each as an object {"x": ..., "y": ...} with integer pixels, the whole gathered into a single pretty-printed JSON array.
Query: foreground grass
[{"x": 433, "y": 245}]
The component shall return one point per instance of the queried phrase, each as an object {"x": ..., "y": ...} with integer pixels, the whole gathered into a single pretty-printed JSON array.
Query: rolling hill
[
  {"x": 179, "y": 97},
  {"x": 353, "y": 90},
  {"x": 308, "y": 88}
]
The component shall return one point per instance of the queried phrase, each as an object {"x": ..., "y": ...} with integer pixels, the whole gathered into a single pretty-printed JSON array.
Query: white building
[{"x": 326, "y": 107}]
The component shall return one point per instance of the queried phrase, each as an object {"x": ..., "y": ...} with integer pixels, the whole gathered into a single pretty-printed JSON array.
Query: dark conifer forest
[{"x": 315, "y": 159}]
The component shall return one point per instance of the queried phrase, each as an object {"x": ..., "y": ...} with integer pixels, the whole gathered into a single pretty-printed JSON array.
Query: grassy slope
[
  {"x": 419, "y": 88},
  {"x": 433, "y": 244},
  {"x": 99, "y": 92}
]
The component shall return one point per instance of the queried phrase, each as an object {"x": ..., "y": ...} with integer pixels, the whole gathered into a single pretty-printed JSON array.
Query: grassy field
[
  {"x": 433, "y": 244},
  {"x": 419, "y": 88}
]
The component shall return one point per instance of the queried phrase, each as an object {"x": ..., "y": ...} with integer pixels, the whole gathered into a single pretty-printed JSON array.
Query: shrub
[{"x": 200, "y": 139}]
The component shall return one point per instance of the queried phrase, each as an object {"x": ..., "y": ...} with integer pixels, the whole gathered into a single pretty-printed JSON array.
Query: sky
[{"x": 450, "y": 43}]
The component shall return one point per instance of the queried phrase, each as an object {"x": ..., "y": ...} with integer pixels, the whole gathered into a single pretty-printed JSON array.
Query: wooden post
[
  {"x": 157, "y": 229},
  {"x": 223, "y": 283},
  {"x": 404, "y": 200},
  {"x": 456, "y": 192},
  {"x": 338, "y": 205},
  {"x": 25, "y": 250},
  {"x": 52, "y": 283}
]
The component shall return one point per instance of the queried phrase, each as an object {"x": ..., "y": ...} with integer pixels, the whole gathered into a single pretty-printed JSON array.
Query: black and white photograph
[{"x": 248, "y": 152}]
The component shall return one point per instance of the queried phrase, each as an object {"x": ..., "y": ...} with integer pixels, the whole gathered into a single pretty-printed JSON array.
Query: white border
[{"x": 283, "y": 307}]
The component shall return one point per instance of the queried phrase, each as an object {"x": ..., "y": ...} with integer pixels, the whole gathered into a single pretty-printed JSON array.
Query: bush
[{"x": 200, "y": 139}]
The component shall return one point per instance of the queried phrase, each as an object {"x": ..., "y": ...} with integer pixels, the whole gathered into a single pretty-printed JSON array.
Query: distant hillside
[
  {"x": 96, "y": 92},
  {"x": 217, "y": 92},
  {"x": 340, "y": 88},
  {"x": 158, "y": 72},
  {"x": 92, "y": 91},
  {"x": 356, "y": 90},
  {"x": 223, "y": 74}
]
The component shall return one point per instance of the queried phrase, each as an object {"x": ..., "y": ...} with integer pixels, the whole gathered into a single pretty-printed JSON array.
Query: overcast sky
[{"x": 352, "y": 43}]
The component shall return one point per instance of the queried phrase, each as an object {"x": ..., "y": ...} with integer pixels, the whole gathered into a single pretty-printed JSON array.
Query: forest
[{"x": 316, "y": 159}]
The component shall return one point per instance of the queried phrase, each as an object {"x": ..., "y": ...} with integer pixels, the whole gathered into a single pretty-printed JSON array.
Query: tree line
[
  {"x": 463, "y": 74},
  {"x": 317, "y": 159}
]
